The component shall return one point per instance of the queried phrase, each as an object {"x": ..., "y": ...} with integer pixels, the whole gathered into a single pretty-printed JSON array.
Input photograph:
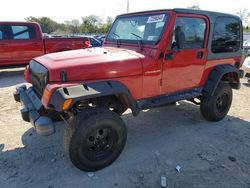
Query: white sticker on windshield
[{"x": 156, "y": 18}]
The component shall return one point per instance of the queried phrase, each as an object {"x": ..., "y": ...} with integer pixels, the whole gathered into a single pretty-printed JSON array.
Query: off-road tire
[
  {"x": 216, "y": 107},
  {"x": 95, "y": 139}
]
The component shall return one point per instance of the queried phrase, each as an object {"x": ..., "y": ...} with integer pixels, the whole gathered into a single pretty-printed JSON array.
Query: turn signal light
[
  {"x": 46, "y": 94},
  {"x": 67, "y": 104}
]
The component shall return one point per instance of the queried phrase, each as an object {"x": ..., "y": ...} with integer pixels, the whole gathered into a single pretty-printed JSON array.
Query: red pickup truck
[{"x": 22, "y": 41}]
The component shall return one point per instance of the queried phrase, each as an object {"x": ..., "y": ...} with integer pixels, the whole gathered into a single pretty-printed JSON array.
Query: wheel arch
[
  {"x": 226, "y": 73},
  {"x": 94, "y": 90}
]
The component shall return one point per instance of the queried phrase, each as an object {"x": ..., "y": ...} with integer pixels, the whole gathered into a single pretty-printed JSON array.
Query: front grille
[{"x": 38, "y": 75}]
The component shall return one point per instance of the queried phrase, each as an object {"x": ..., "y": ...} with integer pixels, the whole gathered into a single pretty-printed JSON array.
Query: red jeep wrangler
[{"x": 149, "y": 59}]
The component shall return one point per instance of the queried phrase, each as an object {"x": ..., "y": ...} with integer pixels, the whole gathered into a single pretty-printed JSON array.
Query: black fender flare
[
  {"x": 92, "y": 90},
  {"x": 216, "y": 76}
]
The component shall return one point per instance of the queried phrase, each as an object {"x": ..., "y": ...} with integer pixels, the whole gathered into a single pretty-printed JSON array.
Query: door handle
[
  {"x": 200, "y": 55},
  {"x": 170, "y": 55}
]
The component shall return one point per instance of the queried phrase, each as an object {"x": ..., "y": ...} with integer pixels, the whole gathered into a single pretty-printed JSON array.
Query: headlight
[{"x": 39, "y": 76}]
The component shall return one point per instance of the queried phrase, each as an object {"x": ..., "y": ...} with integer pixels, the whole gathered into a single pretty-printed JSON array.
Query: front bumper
[{"x": 33, "y": 109}]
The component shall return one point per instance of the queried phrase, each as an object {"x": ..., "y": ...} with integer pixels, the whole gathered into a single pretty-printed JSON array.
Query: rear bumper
[{"x": 32, "y": 110}]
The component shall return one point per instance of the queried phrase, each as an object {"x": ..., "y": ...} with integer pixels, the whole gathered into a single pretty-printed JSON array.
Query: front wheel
[
  {"x": 95, "y": 139},
  {"x": 216, "y": 107}
]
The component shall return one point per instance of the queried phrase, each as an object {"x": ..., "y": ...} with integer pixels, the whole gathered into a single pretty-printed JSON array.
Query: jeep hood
[{"x": 92, "y": 64}]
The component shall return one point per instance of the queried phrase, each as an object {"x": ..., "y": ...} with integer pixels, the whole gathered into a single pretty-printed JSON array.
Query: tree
[
  {"x": 244, "y": 15},
  {"x": 48, "y": 25},
  {"x": 107, "y": 25},
  {"x": 32, "y": 19},
  {"x": 89, "y": 24},
  {"x": 74, "y": 26},
  {"x": 194, "y": 7},
  {"x": 246, "y": 29}
]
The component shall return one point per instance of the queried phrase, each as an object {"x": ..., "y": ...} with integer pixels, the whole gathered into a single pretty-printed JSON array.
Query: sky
[{"x": 60, "y": 11}]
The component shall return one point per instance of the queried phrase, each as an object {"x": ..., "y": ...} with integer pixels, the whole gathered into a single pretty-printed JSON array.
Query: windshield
[{"x": 146, "y": 28}]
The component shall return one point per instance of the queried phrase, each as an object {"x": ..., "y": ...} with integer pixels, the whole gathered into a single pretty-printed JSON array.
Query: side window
[
  {"x": 189, "y": 33},
  {"x": 226, "y": 36},
  {"x": 1, "y": 33},
  {"x": 23, "y": 32},
  {"x": 5, "y": 33}
]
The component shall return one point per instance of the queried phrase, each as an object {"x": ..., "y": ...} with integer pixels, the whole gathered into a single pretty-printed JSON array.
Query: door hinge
[{"x": 160, "y": 82}]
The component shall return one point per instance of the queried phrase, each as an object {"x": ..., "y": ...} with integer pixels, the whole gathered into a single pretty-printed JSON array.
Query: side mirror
[{"x": 174, "y": 45}]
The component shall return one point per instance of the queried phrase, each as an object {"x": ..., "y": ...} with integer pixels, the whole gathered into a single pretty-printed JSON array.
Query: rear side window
[
  {"x": 23, "y": 32},
  {"x": 5, "y": 33},
  {"x": 226, "y": 36},
  {"x": 189, "y": 33}
]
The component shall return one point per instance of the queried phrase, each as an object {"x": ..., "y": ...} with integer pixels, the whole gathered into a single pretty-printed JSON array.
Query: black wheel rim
[
  {"x": 222, "y": 103},
  {"x": 99, "y": 144}
]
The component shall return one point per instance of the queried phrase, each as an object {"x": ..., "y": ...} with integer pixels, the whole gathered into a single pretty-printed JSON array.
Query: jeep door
[{"x": 185, "y": 58}]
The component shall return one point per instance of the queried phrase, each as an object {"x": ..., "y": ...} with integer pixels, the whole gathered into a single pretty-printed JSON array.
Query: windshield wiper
[
  {"x": 139, "y": 40},
  {"x": 118, "y": 40}
]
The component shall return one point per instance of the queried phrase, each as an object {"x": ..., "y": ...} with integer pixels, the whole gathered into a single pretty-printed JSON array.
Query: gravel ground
[{"x": 209, "y": 154}]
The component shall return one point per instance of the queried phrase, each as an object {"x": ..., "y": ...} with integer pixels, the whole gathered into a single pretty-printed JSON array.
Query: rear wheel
[
  {"x": 216, "y": 107},
  {"x": 95, "y": 139}
]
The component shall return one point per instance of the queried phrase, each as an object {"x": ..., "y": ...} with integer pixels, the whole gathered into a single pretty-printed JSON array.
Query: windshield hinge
[{"x": 63, "y": 75}]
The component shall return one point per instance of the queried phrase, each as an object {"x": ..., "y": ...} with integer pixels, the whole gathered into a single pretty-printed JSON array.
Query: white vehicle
[
  {"x": 246, "y": 43},
  {"x": 246, "y": 67}
]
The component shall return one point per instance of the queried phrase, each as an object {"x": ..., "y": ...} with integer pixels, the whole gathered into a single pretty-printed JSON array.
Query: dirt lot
[{"x": 209, "y": 154}]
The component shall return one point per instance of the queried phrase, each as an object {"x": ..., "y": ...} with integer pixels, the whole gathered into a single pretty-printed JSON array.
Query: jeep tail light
[{"x": 46, "y": 94}]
